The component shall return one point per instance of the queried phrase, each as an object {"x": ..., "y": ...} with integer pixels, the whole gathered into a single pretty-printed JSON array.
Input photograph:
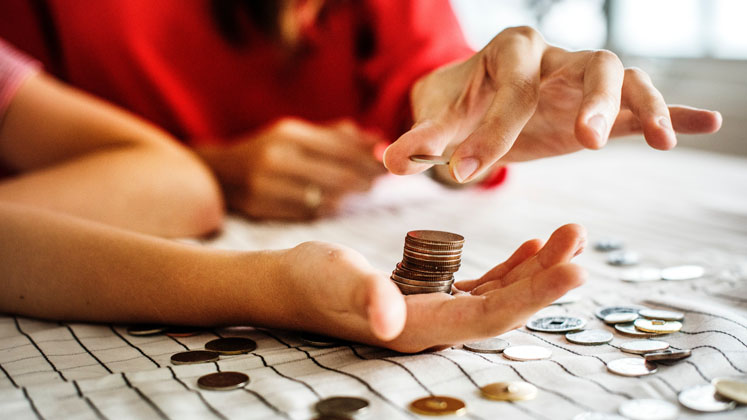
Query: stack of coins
[{"x": 429, "y": 262}]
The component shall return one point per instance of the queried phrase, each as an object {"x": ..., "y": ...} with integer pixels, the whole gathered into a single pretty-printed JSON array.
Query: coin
[
  {"x": 608, "y": 244},
  {"x": 341, "y": 406},
  {"x": 661, "y": 314},
  {"x": 407, "y": 289},
  {"x": 657, "y": 326},
  {"x": 183, "y": 331},
  {"x": 668, "y": 354},
  {"x": 704, "y": 398},
  {"x": 231, "y": 345},
  {"x": 682, "y": 272},
  {"x": 436, "y": 237},
  {"x": 491, "y": 345},
  {"x": 630, "y": 329},
  {"x": 732, "y": 388},
  {"x": 589, "y": 337},
  {"x": 643, "y": 346},
  {"x": 146, "y": 329},
  {"x": 429, "y": 260},
  {"x": 639, "y": 275},
  {"x": 597, "y": 416},
  {"x": 622, "y": 258},
  {"x": 223, "y": 381},
  {"x": 524, "y": 353},
  {"x": 556, "y": 324},
  {"x": 439, "y": 405},
  {"x": 620, "y": 317},
  {"x": 315, "y": 340},
  {"x": 509, "y": 391},
  {"x": 631, "y": 366},
  {"x": 194, "y": 356},
  {"x": 602, "y": 312},
  {"x": 425, "y": 283},
  {"x": 430, "y": 159},
  {"x": 649, "y": 409}
]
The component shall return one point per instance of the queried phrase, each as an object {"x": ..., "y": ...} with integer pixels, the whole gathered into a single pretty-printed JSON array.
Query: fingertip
[
  {"x": 659, "y": 133},
  {"x": 592, "y": 131},
  {"x": 565, "y": 243}
]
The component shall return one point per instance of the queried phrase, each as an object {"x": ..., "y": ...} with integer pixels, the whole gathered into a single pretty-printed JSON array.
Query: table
[{"x": 679, "y": 207}]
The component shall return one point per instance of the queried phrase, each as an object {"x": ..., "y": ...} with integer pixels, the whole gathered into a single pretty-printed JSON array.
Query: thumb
[
  {"x": 427, "y": 137},
  {"x": 383, "y": 306}
]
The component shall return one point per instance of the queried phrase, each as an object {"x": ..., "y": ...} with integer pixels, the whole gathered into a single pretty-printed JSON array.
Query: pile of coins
[
  {"x": 618, "y": 256},
  {"x": 429, "y": 261}
]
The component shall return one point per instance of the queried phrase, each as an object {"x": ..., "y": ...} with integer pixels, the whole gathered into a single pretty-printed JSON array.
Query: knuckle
[
  {"x": 524, "y": 32},
  {"x": 527, "y": 89},
  {"x": 637, "y": 74},
  {"x": 605, "y": 56}
]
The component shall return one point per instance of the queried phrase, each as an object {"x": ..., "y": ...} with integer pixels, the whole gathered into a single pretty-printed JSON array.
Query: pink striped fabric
[{"x": 14, "y": 68}]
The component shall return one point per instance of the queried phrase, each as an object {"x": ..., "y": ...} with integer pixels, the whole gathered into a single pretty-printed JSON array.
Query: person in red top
[{"x": 286, "y": 100}]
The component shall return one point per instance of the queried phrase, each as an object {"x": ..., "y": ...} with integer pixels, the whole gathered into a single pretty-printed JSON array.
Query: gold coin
[
  {"x": 509, "y": 391},
  {"x": 657, "y": 325},
  {"x": 732, "y": 388},
  {"x": 439, "y": 405}
]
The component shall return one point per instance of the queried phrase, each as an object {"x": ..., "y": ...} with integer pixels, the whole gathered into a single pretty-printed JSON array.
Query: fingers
[
  {"x": 428, "y": 137},
  {"x": 525, "y": 251},
  {"x": 648, "y": 106},
  {"x": 685, "y": 120},
  {"x": 334, "y": 177},
  {"x": 384, "y": 307},
  {"x": 603, "y": 81}
]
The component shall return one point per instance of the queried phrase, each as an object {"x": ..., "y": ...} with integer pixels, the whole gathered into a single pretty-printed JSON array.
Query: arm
[{"x": 79, "y": 155}]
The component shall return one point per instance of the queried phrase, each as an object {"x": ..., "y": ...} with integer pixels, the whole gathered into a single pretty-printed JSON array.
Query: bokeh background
[{"x": 694, "y": 50}]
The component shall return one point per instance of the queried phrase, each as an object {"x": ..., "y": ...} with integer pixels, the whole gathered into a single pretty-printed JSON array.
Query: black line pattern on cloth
[
  {"x": 714, "y": 331},
  {"x": 133, "y": 346},
  {"x": 594, "y": 381},
  {"x": 75, "y": 336},
  {"x": 88, "y": 401},
  {"x": 198, "y": 393},
  {"x": 665, "y": 382},
  {"x": 405, "y": 368},
  {"x": 144, "y": 397},
  {"x": 305, "y": 384},
  {"x": 697, "y": 369},
  {"x": 267, "y": 403},
  {"x": 722, "y": 353},
  {"x": 178, "y": 342},
  {"x": 693, "y": 311},
  {"x": 563, "y": 348},
  {"x": 10, "y": 378},
  {"x": 20, "y": 330},
  {"x": 31, "y": 404}
]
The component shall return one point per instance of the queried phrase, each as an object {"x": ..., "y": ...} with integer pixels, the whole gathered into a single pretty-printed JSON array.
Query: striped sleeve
[{"x": 15, "y": 67}]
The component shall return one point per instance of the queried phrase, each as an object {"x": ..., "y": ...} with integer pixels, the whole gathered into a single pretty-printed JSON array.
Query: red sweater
[{"x": 167, "y": 61}]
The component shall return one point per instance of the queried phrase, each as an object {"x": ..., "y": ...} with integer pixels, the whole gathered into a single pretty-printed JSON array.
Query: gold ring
[{"x": 312, "y": 196}]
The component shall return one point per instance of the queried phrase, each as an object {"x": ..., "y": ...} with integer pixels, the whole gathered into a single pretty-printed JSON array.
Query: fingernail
[
  {"x": 665, "y": 123},
  {"x": 465, "y": 168},
  {"x": 598, "y": 124}
]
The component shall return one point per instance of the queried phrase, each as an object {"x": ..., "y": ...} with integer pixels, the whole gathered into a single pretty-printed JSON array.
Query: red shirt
[{"x": 167, "y": 61}]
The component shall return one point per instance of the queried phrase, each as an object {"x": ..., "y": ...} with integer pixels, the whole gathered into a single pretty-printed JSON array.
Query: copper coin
[
  {"x": 178, "y": 331},
  {"x": 231, "y": 345},
  {"x": 194, "y": 356},
  {"x": 426, "y": 283},
  {"x": 435, "y": 237},
  {"x": 145, "y": 329},
  {"x": 439, "y": 405},
  {"x": 509, "y": 391},
  {"x": 223, "y": 381},
  {"x": 320, "y": 341},
  {"x": 341, "y": 406},
  {"x": 430, "y": 250}
]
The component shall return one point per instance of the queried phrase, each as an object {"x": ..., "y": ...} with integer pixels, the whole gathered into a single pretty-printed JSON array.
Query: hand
[
  {"x": 334, "y": 291},
  {"x": 296, "y": 170},
  {"x": 520, "y": 99}
]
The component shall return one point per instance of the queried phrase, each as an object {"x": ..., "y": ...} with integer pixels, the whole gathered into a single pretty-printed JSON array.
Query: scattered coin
[
  {"x": 602, "y": 312},
  {"x": 429, "y": 261},
  {"x": 608, "y": 244},
  {"x": 620, "y": 317},
  {"x": 491, "y": 345},
  {"x": 141, "y": 330},
  {"x": 704, "y": 398},
  {"x": 631, "y": 366},
  {"x": 597, "y": 416},
  {"x": 509, "y": 391},
  {"x": 525, "y": 353},
  {"x": 341, "y": 406},
  {"x": 661, "y": 314},
  {"x": 194, "y": 356},
  {"x": 643, "y": 346},
  {"x": 630, "y": 330},
  {"x": 231, "y": 345},
  {"x": 682, "y": 272},
  {"x": 589, "y": 337},
  {"x": 556, "y": 324},
  {"x": 640, "y": 275},
  {"x": 623, "y": 258},
  {"x": 657, "y": 326},
  {"x": 430, "y": 159},
  {"x": 315, "y": 340},
  {"x": 439, "y": 405},
  {"x": 649, "y": 409},
  {"x": 179, "y": 331},
  {"x": 668, "y": 354},
  {"x": 732, "y": 388},
  {"x": 223, "y": 381}
]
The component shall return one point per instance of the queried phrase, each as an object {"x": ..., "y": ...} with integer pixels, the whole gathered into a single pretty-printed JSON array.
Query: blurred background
[{"x": 694, "y": 50}]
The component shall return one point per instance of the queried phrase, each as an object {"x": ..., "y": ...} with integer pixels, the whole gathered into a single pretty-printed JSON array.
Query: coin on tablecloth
[
  {"x": 509, "y": 391},
  {"x": 491, "y": 345},
  {"x": 195, "y": 356},
  {"x": 430, "y": 159},
  {"x": 597, "y": 416},
  {"x": 556, "y": 324},
  {"x": 649, "y": 409},
  {"x": 231, "y": 345},
  {"x": 602, "y": 312},
  {"x": 341, "y": 406},
  {"x": 439, "y": 405},
  {"x": 141, "y": 330},
  {"x": 589, "y": 337},
  {"x": 668, "y": 354},
  {"x": 223, "y": 381},
  {"x": 315, "y": 340},
  {"x": 182, "y": 331},
  {"x": 631, "y": 366},
  {"x": 640, "y": 275},
  {"x": 657, "y": 326},
  {"x": 682, "y": 272},
  {"x": 608, "y": 244},
  {"x": 623, "y": 258},
  {"x": 704, "y": 398},
  {"x": 643, "y": 346},
  {"x": 630, "y": 329},
  {"x": 732, "y": 388},
  {"x": 525, "y": 353},
  {"x": 661, "y": 314},
  {"x": 620, "y": 317}
]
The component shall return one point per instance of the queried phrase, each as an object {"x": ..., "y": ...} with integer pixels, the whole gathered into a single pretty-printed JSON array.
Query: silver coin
[
  {"x": 524, "y": 353},
  {"x": 649, "y": 409},
  {"x": 668, "y": 354},
  {"x": 341, "y": 406},
  {"x": 430, "y": 159},
  {"x": 639, "y": 275},
  {"x": 643, "y": 346},
  {"x": 704, "y": 398},
  {"x": 315, "y": 340},
  {"x": 620, "y": 317},
  {"x": 630, "y": 330},
  {"x": 491, "y": 345},
  {"x": 661, "y": 314},
  {"x": 623, "y": 258},
  {"x": 682, "y": 272},
  {"x": 597, "y": 416},
  {"x": 608, "y": 244},
  {"x": 732, "y": 388},
  {"x": 602, "y": 312},
  {"x": 589, "y": 337},
  {"x": 556, "y": 324},
  {"x": 631, "y": 366}
]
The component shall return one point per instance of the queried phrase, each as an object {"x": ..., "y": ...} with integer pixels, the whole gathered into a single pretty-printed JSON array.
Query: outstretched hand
[{"x": 520, "y": 99}]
